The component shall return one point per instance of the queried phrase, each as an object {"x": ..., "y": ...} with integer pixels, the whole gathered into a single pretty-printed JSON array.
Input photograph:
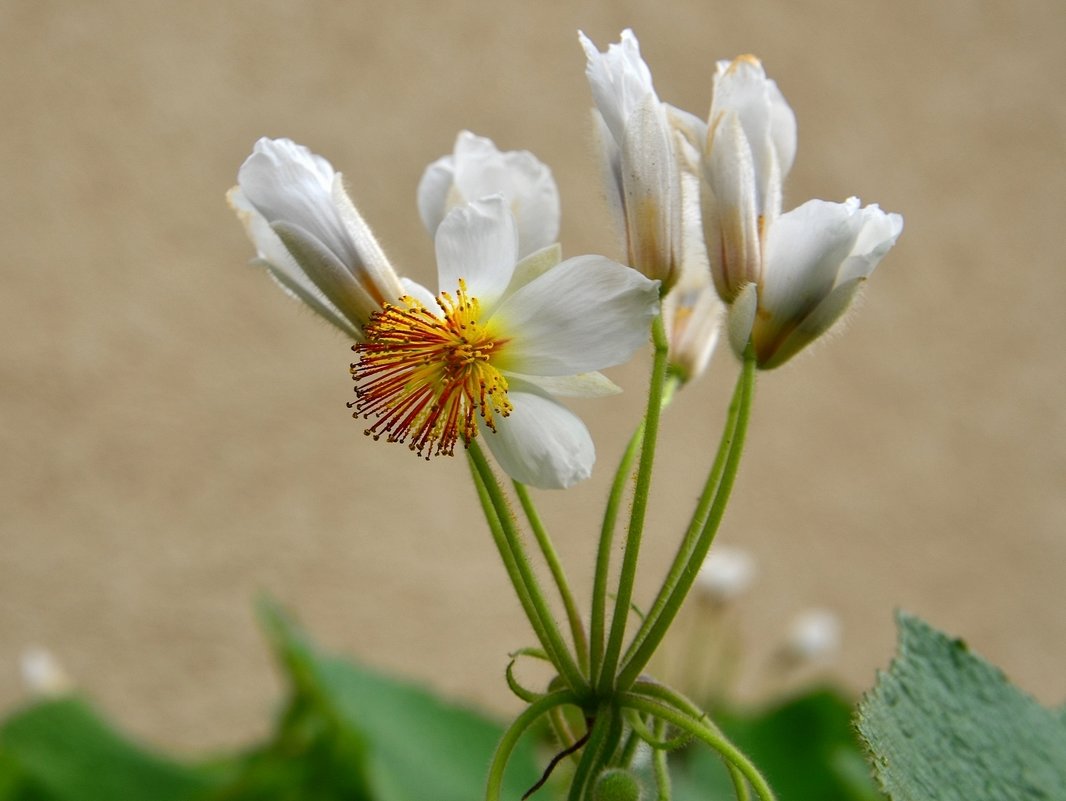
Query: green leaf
[
  {"x": 944, "y": 725},
  {"x": 805, "y": 747},
  {"x": 62, "y": 751},
  {"x": 408, "y": 744}
]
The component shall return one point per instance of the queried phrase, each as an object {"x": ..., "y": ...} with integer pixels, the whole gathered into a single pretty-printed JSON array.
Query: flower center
[{"x": 426, "y": 377}]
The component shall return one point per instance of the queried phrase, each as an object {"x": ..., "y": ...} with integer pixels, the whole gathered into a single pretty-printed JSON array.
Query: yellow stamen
[{"x": 426, "y": 377}]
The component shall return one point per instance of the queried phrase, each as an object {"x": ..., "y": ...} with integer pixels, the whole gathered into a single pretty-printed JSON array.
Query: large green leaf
[
  {"x": 944, "y": 725},
  {"x": 62, "y": 751},
  {"x": 805, "y": 747},
  {"x": 413, "y": 746}
]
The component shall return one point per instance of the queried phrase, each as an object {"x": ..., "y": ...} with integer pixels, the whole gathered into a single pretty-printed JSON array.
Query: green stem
[
  {"x": 629, "y": 750},
  {"x": 682, "y": 720},
  {"x": 627, "y": 576},
  {"x": 699, "y": 518},
  {"x": 515, "y": 731},
  {"x": 577, "y": 628},
  {"x": 509, "y": 543},
  {"x": 679, "y": 582},
  {"x": 598, "y": 742},
  {"x": 603, "y": 553},
  {"x": 662, "y": 772}
]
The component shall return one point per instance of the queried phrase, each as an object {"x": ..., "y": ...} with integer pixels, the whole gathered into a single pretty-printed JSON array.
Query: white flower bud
[
  {"x": 725, "y": 574},
  {"x": 813, "y": 637}
]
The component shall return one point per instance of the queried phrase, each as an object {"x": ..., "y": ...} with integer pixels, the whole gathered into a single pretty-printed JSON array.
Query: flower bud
[
  {"x": 725, "y": 574},
  {"x": 616, "y": 784},
  {"x": 813, "y": 637}
]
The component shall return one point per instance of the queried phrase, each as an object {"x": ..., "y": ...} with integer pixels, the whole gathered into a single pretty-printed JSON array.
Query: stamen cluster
[{"x": 426, "y": 376}]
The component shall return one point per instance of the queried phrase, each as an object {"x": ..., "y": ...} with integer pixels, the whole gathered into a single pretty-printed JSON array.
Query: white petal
[
  {"x": 742, "y": 88},
  {"x": 730, "y": 213},
  {"x": 804, "y": 251},
  {"x": 267, "y": 245},
  {"x": 692, "y": 325},
  {"x": 527, "y": 184},
  {"x": 287, "y": 182},
  {"x": 331, "y": 277},
  {"x": 541, "y": 443},
  {"x": 619, "y": 79},
  {"x": 611, "y": 174},
  {"x": 535, "y": 265},
  {"x": 274, "y": 257},
  {"x": 478, "y": 242},
  {"x": 313, "y": 299},
  {"x": 586, "y": 314},
  {"x": 433, "y": 192},
  {"x": 371, "y": 268},
  {"x": 820, "y": 320},
  {"x": 422, "y": 295},
  {"x": 689, "y": 126},
  {"x": 582, "y": 385},
  {"x": 877, "y": 235},
  {"x": 652, "y": 192},
  {"x": 741, "y": 318},
  {"x": 782, "y": 129}
]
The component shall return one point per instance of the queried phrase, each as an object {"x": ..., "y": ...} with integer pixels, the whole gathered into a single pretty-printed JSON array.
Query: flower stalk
[{"x": 605, "y": 679}]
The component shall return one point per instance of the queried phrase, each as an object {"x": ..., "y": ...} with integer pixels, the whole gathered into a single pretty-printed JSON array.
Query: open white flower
[
  {"x": 485, "y": 356},
  {"x": 310, "y": 237},
  {"x": 477, "y": 169},
  {"x": 817, "y": 257},
  {"x": 749, "y": 148},
  {"x": 637, "y": 144}
]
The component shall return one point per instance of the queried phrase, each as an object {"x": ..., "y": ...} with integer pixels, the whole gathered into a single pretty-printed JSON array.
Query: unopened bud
[
  {"x": 725, "y": 573},
  {"x": 813, "y": 637},
  {"x": 616, "y": 784},
  {"x": 42, "y": 673}
]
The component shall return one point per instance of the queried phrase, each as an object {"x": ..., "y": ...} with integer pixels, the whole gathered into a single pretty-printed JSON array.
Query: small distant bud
[
  {"x": 616, "y": 784},
  {"x": 814, "y": 636},
  {"x": 43, "y": 675},
  {"x": 725, "y": 574}
]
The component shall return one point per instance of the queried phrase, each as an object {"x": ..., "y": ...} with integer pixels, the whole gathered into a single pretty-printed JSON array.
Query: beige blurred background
[{"x": 174, "y": 440}]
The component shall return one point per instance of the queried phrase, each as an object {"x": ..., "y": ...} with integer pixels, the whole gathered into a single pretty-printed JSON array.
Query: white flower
[
  {"x": 309, "y": 235},
  {"x": 477, "y": 169},
  {"x": 485, "y": 355},
  {"x": 637, "y": 143},
  {"x": 817, "y": 257},
  {"x": 725, "y": 573},
  {"x": 814, "y": 636},
  {"x": 749, "y": 148},
  {"x": 788, "y": 277}
]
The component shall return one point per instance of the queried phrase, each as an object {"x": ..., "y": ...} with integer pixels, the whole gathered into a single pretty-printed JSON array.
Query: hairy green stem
[
  {"x": 509, "y": 543},
  {"x": 603, "y": 553},
  {"x": 697, "y": 728},
  {"x": 594, "y": 755},
  {"x": 662, "y": 772},
  {"x": 547, "y": 548},
  {"x": 654, "y": 627},
  {"x": 515, "y": 731},
  {"x": 605, "y": 681}
]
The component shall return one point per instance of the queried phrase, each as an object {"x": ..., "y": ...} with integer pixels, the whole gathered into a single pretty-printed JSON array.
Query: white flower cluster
[
  {"x": 786, "y": 277},
  {"x": 513, "y": 325}
]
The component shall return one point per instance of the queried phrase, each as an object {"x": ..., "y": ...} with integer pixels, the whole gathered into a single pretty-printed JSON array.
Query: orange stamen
[{"x": 426, "y": 378}]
